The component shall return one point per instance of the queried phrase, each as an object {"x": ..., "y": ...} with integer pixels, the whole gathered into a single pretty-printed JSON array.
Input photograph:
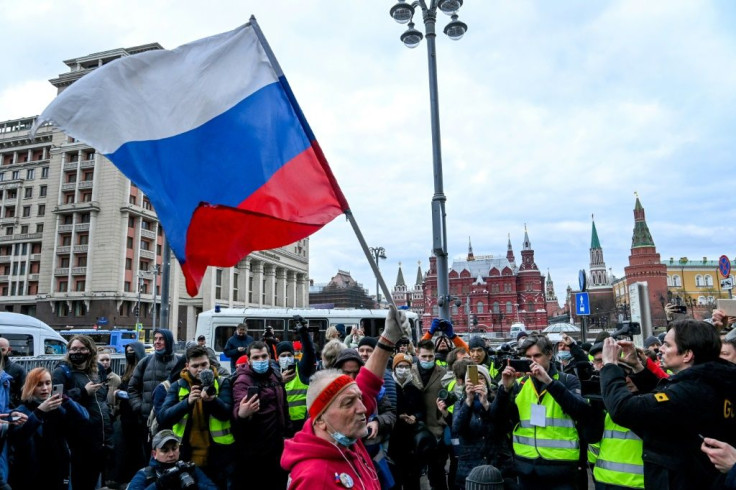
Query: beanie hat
[
  {"x": 345, "y": 356},
  {"x": 586, "y": 346},
  {"x": 520, "y": 335},
  {"x": 476, "y": 342},
  {"x": 402, "y": 357},
  {"x": 297, "y": 345},
  {"x": 341, "y": 328},
  {"x": 284, "y": 346},
  {"x": 243, "y": 360},
  {"x": 650, "y": 341},
  {"x": 661, "y": 337},
  {"x": 597, "y": 347},
  {"x": 369, "y": 341},
  {"x": 485, "y": 477}
]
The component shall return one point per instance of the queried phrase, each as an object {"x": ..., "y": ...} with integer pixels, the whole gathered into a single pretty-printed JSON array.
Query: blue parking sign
[{"x": 582, "y": 304}]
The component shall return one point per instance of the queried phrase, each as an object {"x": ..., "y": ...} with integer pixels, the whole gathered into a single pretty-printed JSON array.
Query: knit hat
[
  {"x": 369, "y": 341},
  {"x": 650, "y": 341},
  {"x": 284, "y": 346},
  {"x": 476, "y": 342},
  {"x": 597, "y": 347},
  {"x": 520, "y": 335},
  {"x": 402, "y": 357},
  {"x": 485, "y": 477},
  {"x": 242, "y": 360},
  {"x": 586, "y": 346},
  {"x": 345, "y": 356}
]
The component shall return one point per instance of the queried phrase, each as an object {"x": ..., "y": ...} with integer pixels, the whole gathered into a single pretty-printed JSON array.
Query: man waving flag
[{"x": 212, "y": 133}]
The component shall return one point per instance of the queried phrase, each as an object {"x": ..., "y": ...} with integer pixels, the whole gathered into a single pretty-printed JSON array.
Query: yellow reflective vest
[
  {"x": 557, "y": 441},
  {"x": 619, "y": 461},
  {"x": 296, "y": 397},
  {"x": 219, "y": 429}
]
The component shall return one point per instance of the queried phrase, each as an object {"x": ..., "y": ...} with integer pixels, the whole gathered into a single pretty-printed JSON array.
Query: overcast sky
[{"x": 550, "y": 112}]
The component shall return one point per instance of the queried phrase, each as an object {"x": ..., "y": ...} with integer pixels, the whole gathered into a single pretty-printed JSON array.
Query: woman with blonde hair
[
  {"x": 79, "y": 373},
  {"x": 40, "y": 451}
]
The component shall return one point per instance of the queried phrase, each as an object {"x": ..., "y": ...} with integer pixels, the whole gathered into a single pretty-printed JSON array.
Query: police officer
[{"x": 296, "y": 375}]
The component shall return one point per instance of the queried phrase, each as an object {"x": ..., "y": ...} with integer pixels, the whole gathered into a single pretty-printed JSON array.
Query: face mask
[
  {"x": 285, "y": 362},
  {"x": 78, "y": 357},
  {"x": 260, "y": 366},
  {"x": 402, "y": 372},
  {"x": 340, "y": 438},
  {"x": 459, "y": 390},
  {"x": 426, "y": 365},
  {"x": 130, "y": 357},
  {"x": 564, "y": 355}
]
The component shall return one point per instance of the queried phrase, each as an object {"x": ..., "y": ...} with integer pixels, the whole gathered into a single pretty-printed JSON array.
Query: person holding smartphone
[
  {"x": 296, "y": 375},
  {"x": 40, "y": 450}
]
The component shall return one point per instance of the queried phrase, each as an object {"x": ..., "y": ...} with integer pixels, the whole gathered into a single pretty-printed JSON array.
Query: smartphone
[
  {"x": 253, "y": 390},
  {"x": 473, "y": 374},
  {"x": 14, "y": 418},
  {"x": 727, "y": 305},
  {"x": 57, "y": 390},
  {"x": 521, "y": 365},
  {"x": 680, "y": 309}
]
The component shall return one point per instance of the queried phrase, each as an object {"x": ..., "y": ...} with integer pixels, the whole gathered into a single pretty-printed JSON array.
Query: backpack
[{"x": 152, "y": 422}]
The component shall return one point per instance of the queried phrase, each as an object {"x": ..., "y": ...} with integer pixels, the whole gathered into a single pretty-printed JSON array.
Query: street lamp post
[
  {"x": 402, "y": 13},
  {"x": 378, "y": 253}
]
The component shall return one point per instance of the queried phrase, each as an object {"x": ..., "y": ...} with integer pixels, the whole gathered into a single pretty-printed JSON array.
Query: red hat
[
  {"x": 242, "y": 360},
  {"x": 297, "y": 345}
]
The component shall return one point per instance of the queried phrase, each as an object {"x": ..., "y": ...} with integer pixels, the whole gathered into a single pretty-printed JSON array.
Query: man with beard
[
  {"x": 197, "y": 408},
  {"x": 673, "y": 414},
  {"x": 236, "y": 345},
  {"x": 163, "y": 472}
]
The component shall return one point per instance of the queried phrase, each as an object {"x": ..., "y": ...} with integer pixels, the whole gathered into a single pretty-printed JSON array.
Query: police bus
[{"x": 219, "y": 325}]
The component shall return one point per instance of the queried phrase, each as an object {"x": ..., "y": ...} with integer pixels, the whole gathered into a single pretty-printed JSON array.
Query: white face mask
[
  {"x": 285, "y": 362},
  {"x": 402, "y": 372}
]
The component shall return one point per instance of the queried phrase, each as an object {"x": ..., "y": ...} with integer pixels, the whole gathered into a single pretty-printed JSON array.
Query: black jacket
[
  {"x": 231, "y": 349},
  {"x": 18, "y": 373},
  {"x": 697, "y": 401}
]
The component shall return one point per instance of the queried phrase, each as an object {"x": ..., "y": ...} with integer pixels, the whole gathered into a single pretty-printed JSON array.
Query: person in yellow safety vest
[
  {"x": 545, "y": 406},
  {"x": 198, "y": 409},
  {"x": 296, "y": 375}
]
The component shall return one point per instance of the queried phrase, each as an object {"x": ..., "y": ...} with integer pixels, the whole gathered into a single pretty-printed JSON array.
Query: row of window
[
  {"x": 20, "y": 249},
  {"x": 30, "y": 174},
  {"x": 11, "y": 194},
  {"x": 19, "y": 289},
  {"x": 24, "y": 229},
  {"x": 25, "y": 211},
  {"x": 703, "y": 281},
  {"x": 19, "y": 269}
]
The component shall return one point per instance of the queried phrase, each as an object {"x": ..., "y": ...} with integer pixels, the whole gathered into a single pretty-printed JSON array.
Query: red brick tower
[{"x": 645, "y": 265}]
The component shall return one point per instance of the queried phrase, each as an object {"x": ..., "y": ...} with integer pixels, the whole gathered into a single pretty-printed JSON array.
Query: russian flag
[{"x": 212, "y": 133}]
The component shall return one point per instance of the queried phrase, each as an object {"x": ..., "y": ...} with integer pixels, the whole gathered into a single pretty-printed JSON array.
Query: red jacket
[{"x": 313, "y": 462}]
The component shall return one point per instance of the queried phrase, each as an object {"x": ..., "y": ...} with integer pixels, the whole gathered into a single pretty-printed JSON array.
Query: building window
[
  {"x": 479, "y": 307},
  {"x": 28, "y": 193},
  {"x": 701, "y": 300},
  {"x": 64, "y": 262},
  {"x": 131, "y": 222},
  {"x": 507, "y": 288},
  {"x": 68, "y": 219},
  {"x": 30, "y": 173},
  {"x": 250, "y": 289},
  {"x": 83, "y": 239},
  {"x": 131, "y": 200},
  {"x": 24, "y": 229},
  {"x": 79, "y": 308},
  {"x": 79, "y": 285},
  {"x": 218, "y": 284},
  {"x": 69, "y": 198},
  {"x": 509, "y": 307},
  {"x": 41, "y": 210},
  {"x": 699, "y": 281},
  {"x": 145, "y": 245},
  {"x": 15, "y": 175},
  {"x": 143, "y": 265},
  {"x": 88, "y": 176},
  {"x": 708, "y": 280},
  {"x": 144, "y": 287},
  {"x": 44, "y": 172},
  {"x": 66, "y": 240},
  {"x": 126, "y": 286},
  {"x": 63, "y": 285},
  {"x": 146, "y": 204},
  {"x": 263, "y": 292},
  {"x": 39, "y": 227},
  {"x": 82, "y": 261},
  {"x": 235, "y": 285},
  {"x": 26, "y": 211},
  {"x": 84, "y": 218},
  {"x": 9, "y": 230},
  {"x": 129, "y": 242},
  {"x": 496, "y": 308},
  {"x": 158, "y": 250},
  {"x": 86, "y": 197}
]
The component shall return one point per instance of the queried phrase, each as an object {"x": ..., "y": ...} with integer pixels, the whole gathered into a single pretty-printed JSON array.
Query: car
[{"x": 149, "y": 348}]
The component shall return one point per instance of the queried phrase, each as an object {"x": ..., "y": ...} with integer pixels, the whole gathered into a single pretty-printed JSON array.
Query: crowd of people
[{"x": 379, "y": 413}]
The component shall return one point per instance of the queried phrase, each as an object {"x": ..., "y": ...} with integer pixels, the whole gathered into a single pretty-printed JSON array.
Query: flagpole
[{"x": 369, "y": 256}]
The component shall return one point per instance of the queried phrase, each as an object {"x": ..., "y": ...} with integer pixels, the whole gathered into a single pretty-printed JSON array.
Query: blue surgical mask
[
  {"x": 340, "y": 438},
  {"x": 564, "y": 355},
  {"x": 426, "y": 365},
  {"x": 260, "y": 366}
]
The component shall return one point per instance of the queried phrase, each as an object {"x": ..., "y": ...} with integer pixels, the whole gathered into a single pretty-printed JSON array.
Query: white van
[
  {"x": 29, "y": 336},
  {"x": 516, "y": 329}
]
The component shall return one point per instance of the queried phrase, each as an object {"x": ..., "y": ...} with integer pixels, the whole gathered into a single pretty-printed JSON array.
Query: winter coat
[
  {"x": 122, "y": 406},
  {"x": 269, "y": 425},
  {"x": 174, "y": 409},
  {"x": 18, "y": 373},
  {"x": 671, "y": 418},
  {"x": 96, "y": 434},
  {"x": 313, "y": 462},
  {"x": 41, "y": 444},
  {"x": 409, "y": 401},
  {"x": 149, "y": 372},
  {"x": 475, "y": 431},
  {"x": 432, "y": 387},
  {"x": 231, "y": 348},
  {"x": 139, "y": 479}
]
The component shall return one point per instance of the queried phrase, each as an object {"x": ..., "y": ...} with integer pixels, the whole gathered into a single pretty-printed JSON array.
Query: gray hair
[
  {"x": 318, "y": 382},
  {"x": 330, "y": 352}
]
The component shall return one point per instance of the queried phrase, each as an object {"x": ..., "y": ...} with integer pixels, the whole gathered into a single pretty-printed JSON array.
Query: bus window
[
  {"x": 255, "y": 327},
  {"x": 129, "y": 335},
  {"x": 20, "y": 344},
  {"x": 222, "y": 334},
  {"x": 51, "y": 346}
]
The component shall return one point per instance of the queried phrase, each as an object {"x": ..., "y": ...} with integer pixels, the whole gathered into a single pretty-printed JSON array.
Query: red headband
[{"x": 328, "y": 394}]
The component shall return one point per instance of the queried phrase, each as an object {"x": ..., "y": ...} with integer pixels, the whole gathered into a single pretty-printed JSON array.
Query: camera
[
  {"x": 627, "y": 329},
  {"x": 449, "y": 397},
  {"x": 268, "y": 333},
  {"x": 182, "y": 469},
  {"x": 591, "y": 388}
]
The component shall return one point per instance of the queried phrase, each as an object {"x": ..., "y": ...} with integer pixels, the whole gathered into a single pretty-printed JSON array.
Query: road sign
[
  {"x": 724, "y": 265},
  {"x": 727, "y": 283},
  {"x": 102, "y": 321},
  {"x": 582, "y": 282},
  {"x": 582, "y": 304}
]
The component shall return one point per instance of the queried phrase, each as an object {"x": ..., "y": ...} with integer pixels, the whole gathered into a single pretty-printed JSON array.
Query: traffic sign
[
  {"x": 582, "y": 304},
  {"x": 582, "y": 280},
  {"x": 724, "y": 265},
  {"x": 727, "y": 283},
  {"x": 102, "y": 321}
]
